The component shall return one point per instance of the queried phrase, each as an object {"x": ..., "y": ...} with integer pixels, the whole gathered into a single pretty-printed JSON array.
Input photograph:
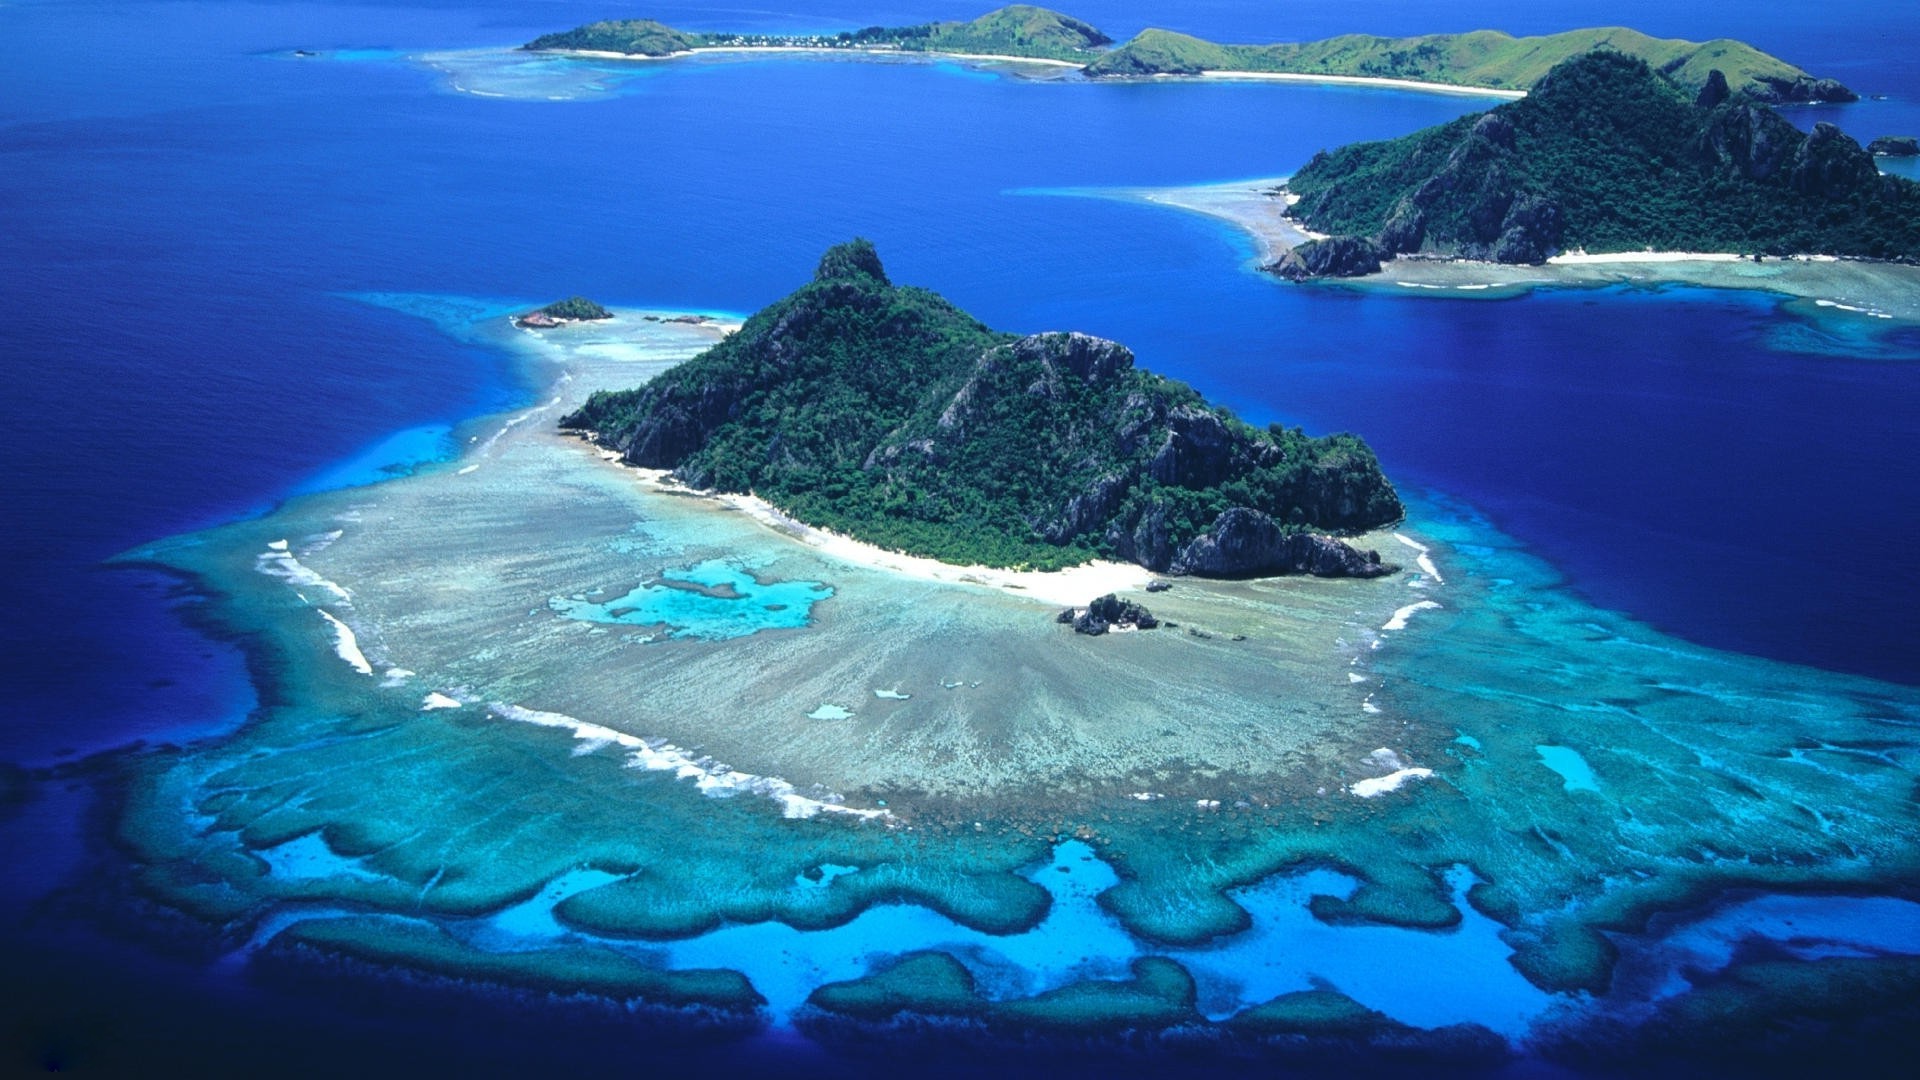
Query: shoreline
[
  {"x": 1299, "y": 78},
  {"x": 1883, "y": 291},
  {"x": 607, "y": 54},
  {"x": 1419, "y": 85},
  {"x": 1073, "y": 586}
]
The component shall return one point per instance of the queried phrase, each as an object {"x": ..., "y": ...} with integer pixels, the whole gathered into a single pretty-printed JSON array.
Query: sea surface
[{"x": 187, "y": 210}]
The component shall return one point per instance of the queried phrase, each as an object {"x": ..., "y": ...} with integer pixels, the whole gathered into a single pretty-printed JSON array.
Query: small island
[
  {"x": 571, "y": 310},
  {"x": 1604, "y": 155},
  {"x": 1894, "y": 146},
  {"x": 889, "y": 415},
  {"x": 1487, "y": 61}
]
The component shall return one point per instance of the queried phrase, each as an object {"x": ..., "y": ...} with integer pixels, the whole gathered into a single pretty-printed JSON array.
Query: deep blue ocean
[{"x": 185, "y": 210}]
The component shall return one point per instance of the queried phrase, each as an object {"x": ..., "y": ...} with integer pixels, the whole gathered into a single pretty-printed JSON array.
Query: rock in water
[{"x": 1107, "y": 613}]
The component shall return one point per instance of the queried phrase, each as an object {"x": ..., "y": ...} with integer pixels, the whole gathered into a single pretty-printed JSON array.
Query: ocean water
[{"x": 188, "y": 213}]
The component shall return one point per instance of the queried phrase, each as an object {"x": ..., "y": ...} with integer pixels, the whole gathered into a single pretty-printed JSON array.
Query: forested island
[
  {"x": 572, "y": 309},
  {"x": 1485, "y": 59},
  {"x": 1018, "y": 30},
  {"x": 1604, "y": 155},
  {"x": 886, "y": 413}
]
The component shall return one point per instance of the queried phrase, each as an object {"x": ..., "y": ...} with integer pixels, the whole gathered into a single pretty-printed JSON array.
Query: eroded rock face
[
  {"x": 1336, "y": 256},
  {"x": 1248, "y": 543},
  {"x": 1781, "y": 91},
  {"x": 1107, "y": 613}
]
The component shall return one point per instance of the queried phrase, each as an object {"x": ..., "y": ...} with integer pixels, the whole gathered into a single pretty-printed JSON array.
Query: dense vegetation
[
  {"x": 576, "y": 307},
  {"x": 1486, "y": 58},
  {"x": 886, "y": 413},
  {"x": 1607, "y": 155},
  {"x": 1018, "y": 30},
  {"x": 1483, "y": 58},
  {"x": 635, "y": 37}
]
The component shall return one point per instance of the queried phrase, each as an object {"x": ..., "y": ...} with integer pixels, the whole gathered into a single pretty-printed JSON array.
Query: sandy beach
[
  {"x": 602, "y": 54},
  {"x": 1361, "y": 80},
  {"x": 1877, "y": 290}
]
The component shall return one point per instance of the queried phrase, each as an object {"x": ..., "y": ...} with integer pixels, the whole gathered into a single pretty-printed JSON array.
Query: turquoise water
[
  {"x": 711, "y": 601},
  {"x": 1570, "y": 765}
]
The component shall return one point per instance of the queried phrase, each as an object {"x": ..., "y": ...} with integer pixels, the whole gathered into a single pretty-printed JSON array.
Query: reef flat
[{"x": 529, "y": 719}]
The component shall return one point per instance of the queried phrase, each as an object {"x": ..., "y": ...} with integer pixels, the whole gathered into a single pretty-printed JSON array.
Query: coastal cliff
[
  {"x": 1605, "y": 155},
  {"x": 886, "y": 413}
]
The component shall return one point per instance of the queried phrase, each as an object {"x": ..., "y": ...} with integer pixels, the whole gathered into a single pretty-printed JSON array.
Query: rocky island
[
  {"x": 887, "y": 414},
  {"x": 560, "y": 312},
  {"x": 1604, "y": 155}
]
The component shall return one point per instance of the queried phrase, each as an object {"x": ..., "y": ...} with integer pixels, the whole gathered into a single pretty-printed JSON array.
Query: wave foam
[
  {"x": 1400, "y": 617},
  {"x": 346, "y": 645},
  {"x": 1424, "y": 561},
  {"x": 278, "y": 562},
  {"x": 709, "y": 776}
]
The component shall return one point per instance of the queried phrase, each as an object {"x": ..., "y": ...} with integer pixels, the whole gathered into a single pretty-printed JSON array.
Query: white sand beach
[{"x": 1361, "y": 80}]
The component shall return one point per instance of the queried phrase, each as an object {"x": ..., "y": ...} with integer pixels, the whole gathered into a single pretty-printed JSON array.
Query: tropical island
[
  {"x": 560, "y": 312},
  {"x": 1604, "y": 155},
  {"x": 889, "y": 415},
  {"x": 1483, "y": 60}
]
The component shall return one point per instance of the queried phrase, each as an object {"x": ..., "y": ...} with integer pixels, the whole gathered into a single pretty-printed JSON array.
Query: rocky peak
[
  {"x": 1714, "y": 92},
  {"x": 854, "y": 261}
]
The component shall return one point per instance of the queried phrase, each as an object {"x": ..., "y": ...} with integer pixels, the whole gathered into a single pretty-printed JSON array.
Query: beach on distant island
[{"x": 1872, "y": 289}]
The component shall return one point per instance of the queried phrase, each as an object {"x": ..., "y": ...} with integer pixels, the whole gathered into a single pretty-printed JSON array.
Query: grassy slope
[{"x": 1481, "y": 58}]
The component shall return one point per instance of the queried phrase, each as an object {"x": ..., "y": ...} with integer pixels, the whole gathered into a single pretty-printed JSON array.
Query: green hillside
[
  {"x": 1606, "y": 155},
  {"x": 635, "y": 37},
  {"x": 1483, "y": 58},
  {"x": 886, "y": 413}
]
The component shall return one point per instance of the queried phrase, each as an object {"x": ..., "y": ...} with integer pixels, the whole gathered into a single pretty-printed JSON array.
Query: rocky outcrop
[
  {"x": 1248, "y": 543},
  {"x": 1107, "y": 613},
  {"x": 1894, "y": 146},
  {"x": 1803, "y": 89},
  {"x": 1336, "y": 256},
  {"x": 1830, "y": 165}
]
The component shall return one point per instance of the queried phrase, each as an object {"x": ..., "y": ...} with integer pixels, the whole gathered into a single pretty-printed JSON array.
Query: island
[
  {"x": 889, "y": 415},
  {"x": 1894, "y": 146},
  {"x": 1019, "y": 31},
  {"x": 1604, "y": 155},
  {"x": 560, "y": 312},
  {"x": 1487, "y": 61}
]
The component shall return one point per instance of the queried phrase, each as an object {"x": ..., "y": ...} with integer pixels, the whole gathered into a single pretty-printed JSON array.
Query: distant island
[
  {"x": 1483, "y": 59},
  {"x": 1017, "y": 31},
  {"x": 887, "y": 414},
  {"x": 572, "y": 309},
  {"x": 1604, "y": 155}
]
